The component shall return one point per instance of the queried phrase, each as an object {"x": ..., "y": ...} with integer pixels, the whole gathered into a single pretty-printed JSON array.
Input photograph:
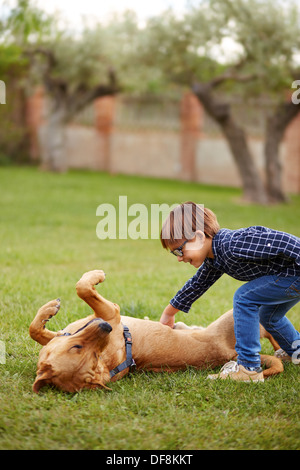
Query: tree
[
  {"x": 267, "y": 35},
  {"x": 75, "y": 69},
  {"x": 67, "y": 95},
  {"x": 13, "y": 135}
]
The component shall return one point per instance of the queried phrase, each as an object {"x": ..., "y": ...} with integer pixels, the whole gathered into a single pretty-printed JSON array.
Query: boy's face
[{"x": 196, "y": 250}]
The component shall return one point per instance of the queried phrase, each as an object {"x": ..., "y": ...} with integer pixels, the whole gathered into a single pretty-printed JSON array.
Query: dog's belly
[{"x": 158, "y": 347}]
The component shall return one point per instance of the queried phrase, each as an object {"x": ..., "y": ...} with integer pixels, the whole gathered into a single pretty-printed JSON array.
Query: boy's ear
[
  {"x": 200, "y": 235},
  {"x": 198, "y": 241}
]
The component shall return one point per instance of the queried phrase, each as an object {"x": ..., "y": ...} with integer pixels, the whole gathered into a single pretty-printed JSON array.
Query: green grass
[{"x": 48, "y": 240}]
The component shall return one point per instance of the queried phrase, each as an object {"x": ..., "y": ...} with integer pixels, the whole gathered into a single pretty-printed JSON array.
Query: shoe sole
[{"x": 211, "y": 377}]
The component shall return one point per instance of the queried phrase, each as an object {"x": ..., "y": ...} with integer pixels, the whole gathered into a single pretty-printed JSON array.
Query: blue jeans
[{"x": 265, "y": 300}]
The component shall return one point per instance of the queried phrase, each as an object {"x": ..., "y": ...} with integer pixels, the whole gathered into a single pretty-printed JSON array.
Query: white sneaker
[
  {"x": 233, "y": 370},
  {"x": 281, "y": 354}
]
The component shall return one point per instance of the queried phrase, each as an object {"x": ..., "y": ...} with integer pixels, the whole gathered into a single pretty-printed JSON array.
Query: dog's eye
[{"x": 77, "y": 346}]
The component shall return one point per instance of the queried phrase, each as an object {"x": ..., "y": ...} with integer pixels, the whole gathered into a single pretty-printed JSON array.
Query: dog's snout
[{"x": 105, "y": 327}]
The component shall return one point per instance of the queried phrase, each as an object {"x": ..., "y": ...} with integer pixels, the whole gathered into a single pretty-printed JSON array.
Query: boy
[{"x": 267, "y": 259}]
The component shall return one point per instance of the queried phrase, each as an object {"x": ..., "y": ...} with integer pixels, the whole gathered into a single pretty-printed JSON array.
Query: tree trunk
[
  {"x": 63, "y": 108},
  {"x": 55, "y": 158},
  {"x": 254, "y": 190},
  {"x": 253, "y": 187},
  {"x": 276, "y": 126}
]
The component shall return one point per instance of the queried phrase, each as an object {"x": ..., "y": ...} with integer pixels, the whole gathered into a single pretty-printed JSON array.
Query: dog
[{"x": 105, "y": 346}]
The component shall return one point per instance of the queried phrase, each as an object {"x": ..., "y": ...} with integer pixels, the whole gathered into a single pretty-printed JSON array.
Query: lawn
[{"x": 48, "y": 240}]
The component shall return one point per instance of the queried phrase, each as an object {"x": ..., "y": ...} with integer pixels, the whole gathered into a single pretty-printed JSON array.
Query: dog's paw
[
  {"x": 100, "y": 276},
  {"x": 93, "y": 277},
  {"x": 49, "y": 310}
]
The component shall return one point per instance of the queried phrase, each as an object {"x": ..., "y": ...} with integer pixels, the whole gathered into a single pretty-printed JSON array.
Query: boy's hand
[{"x": 168, "y": 315}]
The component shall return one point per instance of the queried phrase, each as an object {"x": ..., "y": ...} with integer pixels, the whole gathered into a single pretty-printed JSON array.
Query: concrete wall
[{"x": 158, "y": 154}]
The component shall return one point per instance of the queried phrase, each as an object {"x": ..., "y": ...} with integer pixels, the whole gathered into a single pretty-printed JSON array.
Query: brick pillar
[
  {"x": 191, "y": 114},
  {"x": 34, "y": 119},
  {"x": 105, "y": 112},
  {"x": 292, "y": 156}
]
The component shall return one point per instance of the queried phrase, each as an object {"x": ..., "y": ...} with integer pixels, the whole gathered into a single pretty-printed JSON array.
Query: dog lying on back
[{"x": 105, "y": 346}]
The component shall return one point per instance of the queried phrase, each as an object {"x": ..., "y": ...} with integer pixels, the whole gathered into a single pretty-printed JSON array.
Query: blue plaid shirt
[{"x": 245, "y": 254}]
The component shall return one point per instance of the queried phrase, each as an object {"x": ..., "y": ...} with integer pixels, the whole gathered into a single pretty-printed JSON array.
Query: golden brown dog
[{"x": 96, "y": 350}]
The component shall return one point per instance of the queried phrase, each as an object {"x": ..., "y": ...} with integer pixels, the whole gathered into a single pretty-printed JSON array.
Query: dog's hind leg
[
  {"x": 37, "y": 329},
  {"x": 273, "y": 365},
  {"x": 266, "y": 334},
  {"x": 103, "y": 308}
]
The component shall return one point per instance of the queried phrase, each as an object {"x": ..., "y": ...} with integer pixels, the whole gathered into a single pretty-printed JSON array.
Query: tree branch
[
  {"x": 219, "y": 111},
  {"x": 48, "y": 54},
  {"x": 233, "y": 77},
  {"x": 81, "y": 97},
  {"x": 56, "y": 86}
]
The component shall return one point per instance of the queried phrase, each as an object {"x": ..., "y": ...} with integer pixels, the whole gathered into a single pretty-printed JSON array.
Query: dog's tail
[{"x": 273, "y": 365}]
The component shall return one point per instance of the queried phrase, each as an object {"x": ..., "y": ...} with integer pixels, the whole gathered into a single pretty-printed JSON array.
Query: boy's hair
[{"x": 183, "y": 222}]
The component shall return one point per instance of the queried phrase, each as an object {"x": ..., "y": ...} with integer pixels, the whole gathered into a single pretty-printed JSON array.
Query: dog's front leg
[
  {"x": 103, "y": 308},
  {"x": 37, "y": 329}
]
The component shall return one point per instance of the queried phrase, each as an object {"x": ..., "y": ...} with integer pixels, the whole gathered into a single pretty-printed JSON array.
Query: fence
[{"x": 165, "y": 138}]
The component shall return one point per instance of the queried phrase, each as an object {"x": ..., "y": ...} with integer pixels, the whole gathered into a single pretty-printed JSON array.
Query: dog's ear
[
  {"x": 101, "y": 385},
  {"x": 94, "y": 383},
  {"x": 43, "y": 378}
]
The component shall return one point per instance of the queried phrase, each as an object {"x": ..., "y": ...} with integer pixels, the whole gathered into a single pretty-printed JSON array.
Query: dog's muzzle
[{"x": 101, "y": 324}]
